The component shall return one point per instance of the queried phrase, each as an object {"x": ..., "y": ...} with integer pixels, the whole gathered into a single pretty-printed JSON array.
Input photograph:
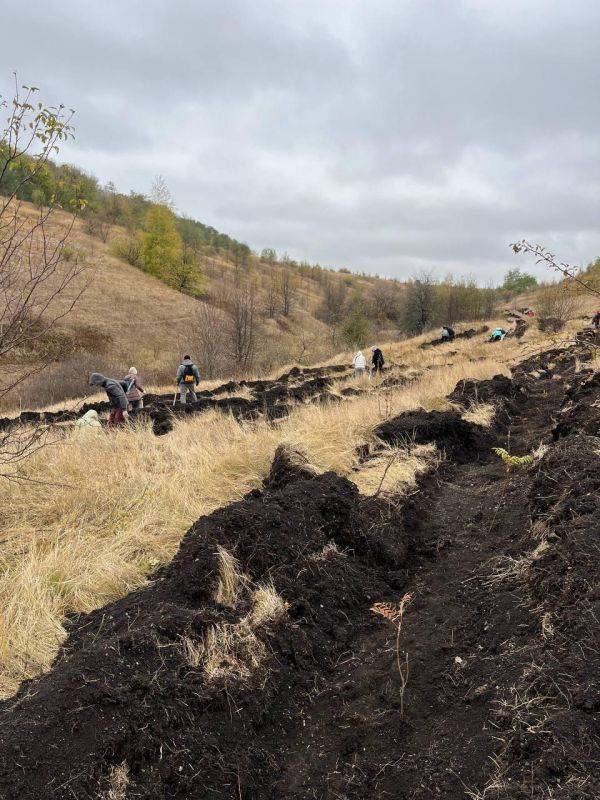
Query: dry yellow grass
[
  {"x": 480, "y": 414},
  {"x": 230, "y": 579},
  {"x": 394, "y": 470},
  {"x": 234, "y": 650}
]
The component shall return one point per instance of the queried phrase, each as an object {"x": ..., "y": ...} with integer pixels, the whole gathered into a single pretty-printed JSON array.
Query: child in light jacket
[{"x": 135, "y": 391}]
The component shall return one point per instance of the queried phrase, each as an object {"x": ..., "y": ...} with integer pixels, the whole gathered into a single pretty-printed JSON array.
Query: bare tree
[
  {"x": 419, "y": 304},
  {"x": 555, "y": 305},
  {"x": 161, "y": 194},
  {"x": 210, "y": 340},
  {"x": 333, "y": 304},
  {"x": 287, "y": 288},
  {"x": 385, "y": 300},
  {"x": 97, "y": 226},
  {"x": 243, "y": 327},
  {"x": 38, "y": 282},
  {"x": 271, "y": 294}
]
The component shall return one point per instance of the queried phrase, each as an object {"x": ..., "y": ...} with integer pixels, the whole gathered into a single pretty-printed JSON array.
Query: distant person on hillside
[
  {"x": 116, "y": 397},
  {"x": 359, "y": 362},
  {"x": 497, "y": 335},
  {"x": 377, "y": 360},
  {"x": 596, "y": 320},
  {"x": 188, "y": 377},
  {"x": 447, "y": 333},
  {"x": 134, "y": 390}
]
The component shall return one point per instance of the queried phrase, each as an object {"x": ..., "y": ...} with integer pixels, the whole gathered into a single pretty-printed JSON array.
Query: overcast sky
[{"x": 380, "y": 135}]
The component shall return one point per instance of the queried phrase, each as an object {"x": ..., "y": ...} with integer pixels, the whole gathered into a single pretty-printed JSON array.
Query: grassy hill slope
[{"x": 127, "y": 317}]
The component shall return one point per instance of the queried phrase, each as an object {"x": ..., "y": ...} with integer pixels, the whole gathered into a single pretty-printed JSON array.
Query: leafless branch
[{"x": 543, "y": 256}]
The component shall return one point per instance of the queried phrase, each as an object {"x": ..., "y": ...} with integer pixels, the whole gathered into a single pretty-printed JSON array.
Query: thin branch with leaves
[{"x": 39, "y": 285}]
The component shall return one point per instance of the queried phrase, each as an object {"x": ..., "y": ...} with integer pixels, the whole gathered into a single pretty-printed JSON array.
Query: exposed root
[
  {"x": 507, "y": 568},
  {"x": 331, "y": 550},
  {"x": 118, "y": 782},
  {"x": 480, "y": 414}
]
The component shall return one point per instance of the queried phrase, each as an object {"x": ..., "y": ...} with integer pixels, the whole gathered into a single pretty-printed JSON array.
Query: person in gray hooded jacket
[
  {"x": 188, "y": 377},
  {"x": 116, "y": 397}
]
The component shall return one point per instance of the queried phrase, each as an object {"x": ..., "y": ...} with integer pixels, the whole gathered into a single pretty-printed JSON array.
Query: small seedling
[{"x": 394, "y": 613}]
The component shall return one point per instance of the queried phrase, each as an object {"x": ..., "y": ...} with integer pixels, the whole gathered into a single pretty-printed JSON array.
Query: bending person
[{"x": 116, "y": 397}]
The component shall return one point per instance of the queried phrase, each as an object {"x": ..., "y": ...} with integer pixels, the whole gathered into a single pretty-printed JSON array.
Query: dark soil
[
  {"x": 581, "y": 414},
  {"x": 502, "y": 635},
  {"x": 461, "y": 441}
]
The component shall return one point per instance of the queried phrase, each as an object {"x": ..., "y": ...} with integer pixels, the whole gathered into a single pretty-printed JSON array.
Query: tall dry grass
[{"x": 120, "y": 501}]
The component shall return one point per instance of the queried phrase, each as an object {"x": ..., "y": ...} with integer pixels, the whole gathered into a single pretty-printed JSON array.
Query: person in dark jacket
[
  {"x": 377, "y": 360},
  {"x": 116, "y": 397},
  {"x": 188, "y": 377},
  {"x": 447, "y": 333}
]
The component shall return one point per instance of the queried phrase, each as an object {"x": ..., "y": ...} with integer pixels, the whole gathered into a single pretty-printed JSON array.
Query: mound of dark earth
[
  {"x": 550, "y": 724},
  {"x": 461, "y": 441},
  {"x": 581, "y": 412},
  {"x": 468, "y": 392},
  {"x": 507, "y": 395},
  {"x": 122, "y": 691}
]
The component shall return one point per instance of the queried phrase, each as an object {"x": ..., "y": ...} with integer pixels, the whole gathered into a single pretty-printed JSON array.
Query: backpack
[{"x": 188, "y": 374}]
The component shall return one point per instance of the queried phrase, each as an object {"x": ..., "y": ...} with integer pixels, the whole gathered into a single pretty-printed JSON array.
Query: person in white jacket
[{"x": 359, "y": 362}]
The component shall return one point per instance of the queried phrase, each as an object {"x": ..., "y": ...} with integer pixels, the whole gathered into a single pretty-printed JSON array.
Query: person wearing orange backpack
[{"x": 188, "y": 377}]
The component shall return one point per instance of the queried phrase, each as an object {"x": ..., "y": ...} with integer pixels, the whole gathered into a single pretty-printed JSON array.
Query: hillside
[
  {"x": 128, "y": 317},
  {"x": 310, "y": 535},
  {"x": 242, "y": 314}
]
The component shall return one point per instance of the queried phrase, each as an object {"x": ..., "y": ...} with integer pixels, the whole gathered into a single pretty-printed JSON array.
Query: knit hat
[{"x": 132, "y": 371}]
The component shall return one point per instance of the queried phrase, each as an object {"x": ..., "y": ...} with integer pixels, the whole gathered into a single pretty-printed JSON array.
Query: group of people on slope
[
  {"x": 123, "y": 395},
  {"x": 448, "y": 334},
  {"x": 128, "y": 394},
  {"x": 359, "y": 362}
]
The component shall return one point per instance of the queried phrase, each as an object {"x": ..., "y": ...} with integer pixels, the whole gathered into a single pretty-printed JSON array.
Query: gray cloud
[{"x": 385, "y": 136}]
